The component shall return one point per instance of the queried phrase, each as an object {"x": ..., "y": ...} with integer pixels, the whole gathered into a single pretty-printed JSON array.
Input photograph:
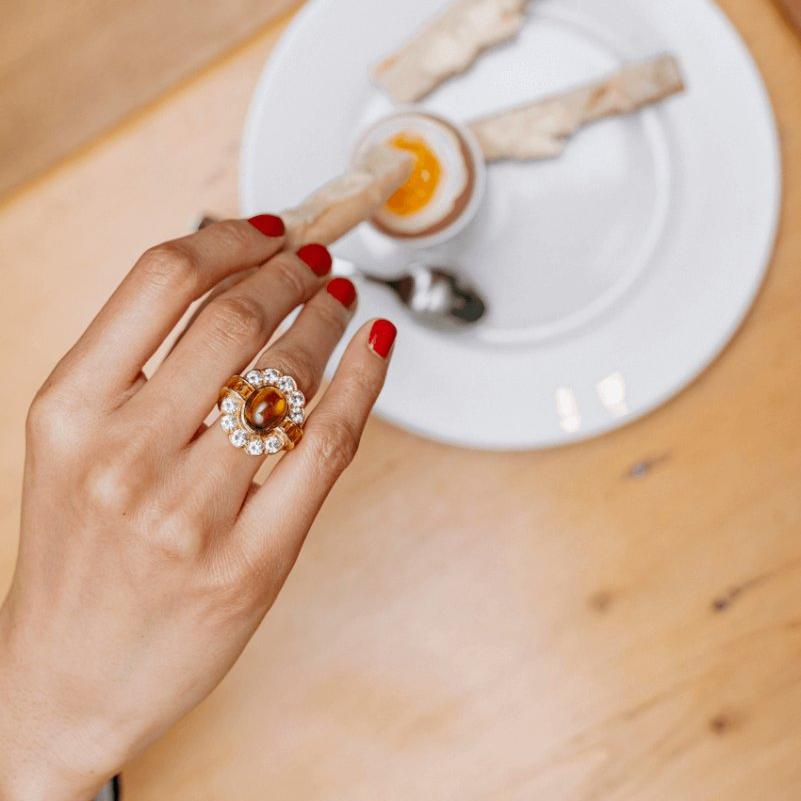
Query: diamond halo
[{"x": 276, "y": 426}]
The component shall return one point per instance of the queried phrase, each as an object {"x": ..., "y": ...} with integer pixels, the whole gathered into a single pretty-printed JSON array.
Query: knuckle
[
  {"x": 331, "y": 317},
  {"x": 232, "y": 234},
  {"x": 113, "y": 491},
  {"x": 177, "y": 537},
  {"x": 238, "y": 319},
  {"x": 301, "y": 364},
  {"x": 117, "y": 478},
  {"x": 337, "y": 442},
  {"x": 287, "y": 273},
  {"x": 361, "y": 388},
  {"x": 364, "y": 383},
  {"x": 109, "y": 489},
  {"x": 170, "y": 266},
  {"x": 41, "y": 413},
  {"x": 232, "y": 583},
  {"x": 45, "y": 419}
]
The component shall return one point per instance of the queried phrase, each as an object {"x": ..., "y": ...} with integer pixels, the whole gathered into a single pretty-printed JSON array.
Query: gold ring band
[{"x": 262, "y": 412}]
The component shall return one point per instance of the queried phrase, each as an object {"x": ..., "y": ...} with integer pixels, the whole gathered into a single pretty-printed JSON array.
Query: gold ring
[{"x": 262, "y": 412}]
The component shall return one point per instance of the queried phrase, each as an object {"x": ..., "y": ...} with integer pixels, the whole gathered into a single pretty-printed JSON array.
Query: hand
[{"x": 148, "y": 557}]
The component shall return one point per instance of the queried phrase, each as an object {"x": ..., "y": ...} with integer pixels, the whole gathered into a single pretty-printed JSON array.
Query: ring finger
[{"x": 302, "y": 352}]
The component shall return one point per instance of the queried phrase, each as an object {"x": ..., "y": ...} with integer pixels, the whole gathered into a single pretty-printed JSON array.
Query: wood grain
[
  {"x": 69, "y": 71},
  {"x": 619, "y": 620}
]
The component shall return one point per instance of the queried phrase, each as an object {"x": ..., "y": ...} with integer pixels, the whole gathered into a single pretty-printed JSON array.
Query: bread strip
[
  {"x": 448, "y": 46},
  {"x": 349, "y": 199},
  {"x": 541, "y": 130}
]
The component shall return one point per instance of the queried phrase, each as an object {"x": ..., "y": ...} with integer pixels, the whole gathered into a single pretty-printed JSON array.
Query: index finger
[{"x": 157, "y": 292}]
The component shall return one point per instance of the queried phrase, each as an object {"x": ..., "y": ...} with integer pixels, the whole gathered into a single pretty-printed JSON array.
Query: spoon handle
[{"x": 347, "y": 269}]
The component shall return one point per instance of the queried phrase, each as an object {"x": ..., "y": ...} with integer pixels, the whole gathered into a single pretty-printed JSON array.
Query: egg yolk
[{"x": 417, "y": 192}]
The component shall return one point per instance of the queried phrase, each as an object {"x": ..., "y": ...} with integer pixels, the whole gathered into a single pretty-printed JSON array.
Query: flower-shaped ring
[{"x": 262, "y": 412}]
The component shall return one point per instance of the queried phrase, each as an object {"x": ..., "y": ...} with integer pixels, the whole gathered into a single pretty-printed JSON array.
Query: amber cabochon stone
[{"x": 265, "y": 409}]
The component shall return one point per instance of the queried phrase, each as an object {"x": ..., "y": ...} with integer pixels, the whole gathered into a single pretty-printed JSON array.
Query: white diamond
[
  {"x": 254, "y": 378},
  {"x": 296, "y": 399},
  {"x": 287, "y": 384},
  {"x": 255, "y": 446},
  {"x": 238, "y": 438},
  {"x": 297, "y": 416},
  {"x": 228, "y": 423},
  {"x": 229, "y": 405},
  {"x": 271, "y": 376},
  {"x": 274, "y": 443}
]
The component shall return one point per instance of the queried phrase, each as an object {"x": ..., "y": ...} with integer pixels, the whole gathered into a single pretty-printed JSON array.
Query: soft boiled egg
[{"x": 443, "y": 191}]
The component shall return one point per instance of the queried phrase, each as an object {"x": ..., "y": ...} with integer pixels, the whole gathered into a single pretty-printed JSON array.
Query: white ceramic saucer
[{"x": 614, "y": 274}]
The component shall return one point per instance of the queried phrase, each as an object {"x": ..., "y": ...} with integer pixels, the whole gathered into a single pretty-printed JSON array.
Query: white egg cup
[{"x": 384, "y": 128}]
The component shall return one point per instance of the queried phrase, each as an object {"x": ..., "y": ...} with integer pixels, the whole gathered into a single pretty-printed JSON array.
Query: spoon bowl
[{"x": 436, "y": 296}]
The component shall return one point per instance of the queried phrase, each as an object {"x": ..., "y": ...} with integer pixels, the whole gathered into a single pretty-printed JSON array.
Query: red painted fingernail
[
  {"x": 317, "y": 257},
  {"x": 268, "y": 224},
  {"x": 382, "y": 337},
  {"x": 343, "y": 290}
]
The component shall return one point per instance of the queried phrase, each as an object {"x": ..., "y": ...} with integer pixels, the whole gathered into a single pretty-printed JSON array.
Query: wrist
[{"x": 43, "y": 754}]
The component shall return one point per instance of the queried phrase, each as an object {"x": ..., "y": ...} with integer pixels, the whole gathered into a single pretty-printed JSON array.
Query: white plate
[{"x": 614, "y": 274}]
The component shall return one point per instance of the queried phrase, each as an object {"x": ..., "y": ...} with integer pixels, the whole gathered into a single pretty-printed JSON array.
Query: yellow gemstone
[
  {"x": 265, "y": 409},
  {"x": 293, "y": 431}
]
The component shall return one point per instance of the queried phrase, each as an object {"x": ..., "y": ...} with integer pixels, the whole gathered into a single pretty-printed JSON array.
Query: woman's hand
[{"x": 147, "y": 556}]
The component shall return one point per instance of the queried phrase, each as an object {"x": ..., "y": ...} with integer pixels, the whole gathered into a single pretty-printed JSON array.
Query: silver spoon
[{"x": 435, "y": 295}]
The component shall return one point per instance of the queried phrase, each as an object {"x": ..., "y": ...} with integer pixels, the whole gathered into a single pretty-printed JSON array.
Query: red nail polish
[
  {"x": 382, "y": 337},
  {"x": 268, "y": 224},
  {"x": 343, "y": 290},
  {"x": 317, "y": 257}
]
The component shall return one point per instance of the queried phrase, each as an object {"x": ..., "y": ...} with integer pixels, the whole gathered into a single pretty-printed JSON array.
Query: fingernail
[
  {"x": 268, "y": 224},
  {"x": 382, "y": 337},
  {"x": 343, "y": 290},
  {"x": 317, "y": 257}
]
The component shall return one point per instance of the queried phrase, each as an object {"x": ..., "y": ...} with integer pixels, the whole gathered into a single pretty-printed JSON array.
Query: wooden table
[{"x": 616, "y": 620}]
